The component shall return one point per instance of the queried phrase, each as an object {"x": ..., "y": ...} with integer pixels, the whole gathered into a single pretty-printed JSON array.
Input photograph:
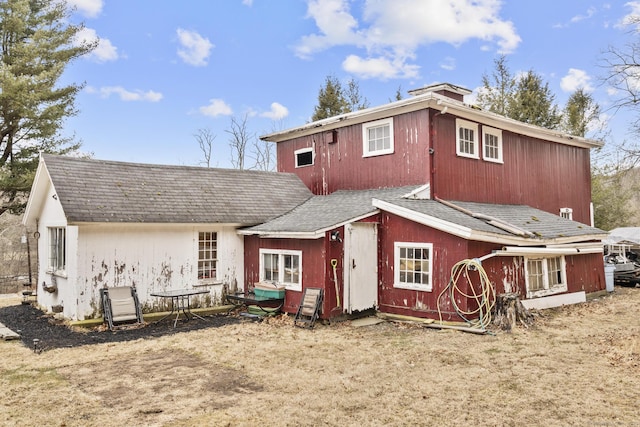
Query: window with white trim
[
  {"x": 413, "y": 266},
  {"x": 545, "y": 276},
  {"x": 492, "y": 144},
  {"x": 566, "y": 213},
  {"x": 207, "y": 255},
  {"x": 57, "y": 249},
  {"x": 281, "y": 266},
  {"x": 467, "y": 139},
  {"x": 377, "y": 137},
  {"x": 304, "y": 157}
]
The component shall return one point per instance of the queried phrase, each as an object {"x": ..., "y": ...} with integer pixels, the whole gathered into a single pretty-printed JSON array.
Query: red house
[{"x": 405, "y": 191}]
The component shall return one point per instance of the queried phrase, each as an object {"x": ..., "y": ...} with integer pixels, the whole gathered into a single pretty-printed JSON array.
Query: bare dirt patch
[{"x": 577, "y": 365}]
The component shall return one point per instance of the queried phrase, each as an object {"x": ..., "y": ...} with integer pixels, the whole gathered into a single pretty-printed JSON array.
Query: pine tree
[
  {"x": 497, "y": 91},
  {"x": 579, "y": 112},
  {"x": 334, "y": 100},
  {"x": 331, "y": 101},
  {"x": 533, "y": 102},
  {"x": 37, "y": 45}
]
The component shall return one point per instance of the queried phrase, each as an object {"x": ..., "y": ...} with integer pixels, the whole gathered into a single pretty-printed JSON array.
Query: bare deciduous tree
[
  {"x": 205, "y": 140},
  {"x": 240, "y": 138},
  {"x": 264, "y": 155}
]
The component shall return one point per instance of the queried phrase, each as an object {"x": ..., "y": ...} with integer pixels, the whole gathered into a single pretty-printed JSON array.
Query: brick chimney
[{"x": 445, "y": 89}]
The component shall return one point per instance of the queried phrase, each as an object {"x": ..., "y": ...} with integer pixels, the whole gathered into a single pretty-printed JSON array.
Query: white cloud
[
  {"x": 277, "y": 112},
  {"x": 380, "y": 67},
  {"x": 126, "y": 95},
  {"x": 590, "y": 12},
  {"x": 336, "y": 25},
  {"x": 194, "y": 49},
  {"x": 448, "y": 63},
  {"x": 216, "y": 107},
  {"x": 575, "y": 80},
  {"x": 105, "y": 51},
  {"x": 392, "y": 30},
  {"x": 577, "y": 18},
  {"x": 633, "y": 17},
  {"x": 89, "y": 8},
  {"x": 247, "y": 2}
]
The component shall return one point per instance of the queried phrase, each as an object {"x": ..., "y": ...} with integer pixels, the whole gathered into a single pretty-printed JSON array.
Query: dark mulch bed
[{"x": 31, "y": 323}]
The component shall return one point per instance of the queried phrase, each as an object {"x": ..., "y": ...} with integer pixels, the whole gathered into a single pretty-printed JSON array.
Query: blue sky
[{"x": 164, "y": 69}]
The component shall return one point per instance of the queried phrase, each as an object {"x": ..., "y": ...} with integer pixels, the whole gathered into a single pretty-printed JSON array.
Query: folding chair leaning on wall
[
  {"x": 309, "y": 308},
  {"x": 120, "y": 304}
]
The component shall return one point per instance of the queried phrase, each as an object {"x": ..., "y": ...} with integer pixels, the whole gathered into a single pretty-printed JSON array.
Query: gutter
[{"x": 438, "y": 102}]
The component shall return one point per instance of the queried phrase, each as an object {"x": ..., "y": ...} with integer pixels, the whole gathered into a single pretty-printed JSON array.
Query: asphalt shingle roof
[
  {"x": 543, "y": 225},
  {"x": 107, "y": 191},
  {"x": 324, "y": 212},
  {"x": 321, "y": 213}
]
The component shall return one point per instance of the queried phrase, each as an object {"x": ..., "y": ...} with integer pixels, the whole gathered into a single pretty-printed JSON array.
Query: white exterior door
[{"x": 361, "y": 266}]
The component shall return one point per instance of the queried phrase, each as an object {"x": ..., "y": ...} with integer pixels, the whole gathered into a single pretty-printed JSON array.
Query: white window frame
[
  {"x": 365, "y": 137},
  {"x": 498, "y": 134},
  {"x": 56, "y": 255},
  {"x": 304, "y": 151},
  {"x": 465, "y": 124},
  {"x": 280, "y": 253},
  {"x": 547, "y": 289},
  {"x": 566, "y": 213},
  {"x": 207, "y": 255},
  {"x": 397, "y": 283}
]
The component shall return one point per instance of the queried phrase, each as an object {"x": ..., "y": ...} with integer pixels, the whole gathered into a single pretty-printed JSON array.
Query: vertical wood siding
[
  {"x": 314, "y": 267},
  {"x": 339, "y": 165},
  {"x": 447, "y": 250},
  {"x": 540, "y": 174},
  {"x": 506, "y": 274},
  {"x": 545, "y": 175},
  {"x": 150, "y": 257}
]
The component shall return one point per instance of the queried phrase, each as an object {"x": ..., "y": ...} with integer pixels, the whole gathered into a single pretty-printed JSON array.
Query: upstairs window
[
  {"x": 492, "y": 142},
  {"x": 377, "y": 138},
  {"x": 304, "y": 157},
  {"x": 57, "y": 249},
  {"x": 207, "y": 255},
  {"x": 545, "y": 276},
  {"x": 467, "y": 139}
]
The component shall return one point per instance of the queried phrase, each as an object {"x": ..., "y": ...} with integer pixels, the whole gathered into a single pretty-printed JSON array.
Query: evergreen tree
[
  {"x": 37, "y": 45},
  {"x": 334, "y": 99},
  {"x": 397, "y": 96},
  {"x": 610, "y": 197},
  {"x": 331, "y": 100},
  {"x": 533, "y": 102},
  {"x": 579, "y": 112},
  {"x": 355, "y": 101},
  {"x": 497, "y": 91}
]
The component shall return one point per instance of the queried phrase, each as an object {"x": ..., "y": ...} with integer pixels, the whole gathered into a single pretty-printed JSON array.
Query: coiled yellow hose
[{"x": 483, "y": 293}]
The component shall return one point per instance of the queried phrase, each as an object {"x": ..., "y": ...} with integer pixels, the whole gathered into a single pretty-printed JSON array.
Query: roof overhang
[
  {"x": 477, "y": 235},
  {"x": 437, "y": 102},
  {"x": 316, "y": 234},
  {"x": 557, "y": 250},
  {"x": 39, "y": 188}
]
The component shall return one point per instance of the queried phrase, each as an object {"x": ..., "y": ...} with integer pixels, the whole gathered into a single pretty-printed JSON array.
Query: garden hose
[{"x": 484, "y": 295}]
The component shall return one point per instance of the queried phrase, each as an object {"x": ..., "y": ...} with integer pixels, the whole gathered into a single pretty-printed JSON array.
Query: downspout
[
  {"x": 432, "y": 160},
  {"x": 432, "y": 138}
]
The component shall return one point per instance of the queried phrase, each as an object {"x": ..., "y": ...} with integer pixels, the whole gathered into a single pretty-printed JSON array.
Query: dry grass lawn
[{"x": 578, "y": 365}]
